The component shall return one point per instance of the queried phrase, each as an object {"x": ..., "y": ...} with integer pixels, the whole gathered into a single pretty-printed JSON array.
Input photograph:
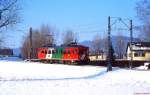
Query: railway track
[
  {"x": 119, "y": 63},
  {"x": 116, "y": 63}
]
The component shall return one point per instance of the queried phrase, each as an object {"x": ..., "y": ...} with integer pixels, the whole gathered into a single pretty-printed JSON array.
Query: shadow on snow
[{"x": 71, "y": 78}]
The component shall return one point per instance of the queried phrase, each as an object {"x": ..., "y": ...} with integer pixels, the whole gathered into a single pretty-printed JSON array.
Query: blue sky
[{"x": 85, "y": 17}]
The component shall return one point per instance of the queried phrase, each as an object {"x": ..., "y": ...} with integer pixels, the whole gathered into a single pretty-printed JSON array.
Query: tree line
[
  {"x": 45, "y": 36},
  {"x": 10, "y": 16}
]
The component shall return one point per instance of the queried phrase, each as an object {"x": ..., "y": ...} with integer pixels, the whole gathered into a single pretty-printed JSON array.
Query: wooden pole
[
  {"x": 30, "y": 43},
  {"x": 131, "y": 40}
]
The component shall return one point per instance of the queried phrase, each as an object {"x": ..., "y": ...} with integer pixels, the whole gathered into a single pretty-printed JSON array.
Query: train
[
  {"x": 75, "y": 54},
  {"x": 66, "y": 54}
]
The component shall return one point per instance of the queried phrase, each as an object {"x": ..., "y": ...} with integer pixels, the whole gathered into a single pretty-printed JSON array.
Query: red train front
[{"x": 75, "y": 54}]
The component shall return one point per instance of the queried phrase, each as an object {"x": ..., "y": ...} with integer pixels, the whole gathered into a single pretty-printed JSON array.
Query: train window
[
  {"x": 61, "y": 51},
  {"x": 64, "y": 51},
  {"x": 53, "y": 51},
  {"x": 56, "y": 51},
  {"x": 69, "y": 51},
  {"x": 74, "y": 51},
  {"x": 77, "y": 51},
  {"x": 45, "y": 52},
  {"x": 49, "y": 52},
  {"x": 42, "y": 51},
  {"x": 80, "y": 52}
]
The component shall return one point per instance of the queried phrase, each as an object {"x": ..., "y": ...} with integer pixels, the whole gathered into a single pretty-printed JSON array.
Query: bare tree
[
  {"x": 69, "y": 37},
  {"x": 145, "y": 33},
  {"x": 143, "y": 13},
  {"x": 97, "y": 42},
  {"x": 25, "y": 50},
  {"x": 120, "y": 45},
  {"x": 97, "y": 45},
  {"x": 105, "y": 43},
  {"x": 9, "y": 13},
  {"x": 40, "y": 37},
  {"x": 9, "y": 16},
  {"x": 46, "y": 35}
]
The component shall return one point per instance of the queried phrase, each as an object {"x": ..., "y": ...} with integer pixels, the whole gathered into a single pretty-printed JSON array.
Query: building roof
[
  {"x": 100, "y": 52},
  {"x": 140, "y": 46}
]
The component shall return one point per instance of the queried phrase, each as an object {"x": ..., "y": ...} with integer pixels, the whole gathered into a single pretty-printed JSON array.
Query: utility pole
[
  {"x": 30, "y": 30},
  {"x": 109, "y": 52},
  {"x": 0, "y": 14},
  {"x": 131, "y": 40},
  {"x": 110, "y": 56}
]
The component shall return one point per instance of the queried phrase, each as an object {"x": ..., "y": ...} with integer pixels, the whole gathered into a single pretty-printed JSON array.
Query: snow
[
  {"x": 145, "y": 67},
  {"x": 11, "y": 58},
  {"x": 28, "y": 78}
]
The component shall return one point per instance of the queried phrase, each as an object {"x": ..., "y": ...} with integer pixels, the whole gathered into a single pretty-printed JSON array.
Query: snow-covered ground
[
  {"x": 11, "y": 58},
  {"x": 28, "y": 78}
]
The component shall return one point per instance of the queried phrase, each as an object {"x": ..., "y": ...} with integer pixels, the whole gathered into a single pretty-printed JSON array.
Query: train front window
[
  {"x": 61, "y": 51},
  {"x": 49, "y": 52},
  {"x": 56, "y": 51},
  {"x": 42, "y": 51},
  {"x": 76, "y": 51},
  {"x": 45, "y": 52},
  {"x": 64, "y": 51},
  {"x": 53, "y": 51},
  {"x": 68, "y": 51}
]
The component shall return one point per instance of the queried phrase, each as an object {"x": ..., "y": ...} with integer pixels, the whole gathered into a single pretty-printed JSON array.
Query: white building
[{"x": 140, "y": 51}]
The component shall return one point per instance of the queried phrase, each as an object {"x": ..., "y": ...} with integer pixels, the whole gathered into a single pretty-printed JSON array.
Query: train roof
[
  {"x": 63, "y": 45},
  {"x": 49, "y": 45},
  {"x": 73, "y": 45}
]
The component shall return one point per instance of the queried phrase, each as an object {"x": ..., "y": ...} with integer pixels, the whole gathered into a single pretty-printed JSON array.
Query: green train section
[{"x": 57, "y": 53}]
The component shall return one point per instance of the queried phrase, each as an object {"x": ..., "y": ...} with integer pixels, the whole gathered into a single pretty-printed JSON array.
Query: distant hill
[
  {"x": 114, "y": 38},
  {"x": 126, "y": 39},
  {"x": 86, "y": 43}
]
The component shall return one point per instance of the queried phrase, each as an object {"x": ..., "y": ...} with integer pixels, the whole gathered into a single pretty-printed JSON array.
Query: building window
[
  {"x": 139, "y": 54},
  {"x": 143, "y": 54},
  {"x": 130, "y": 55},
  {"x": 136, "y": 54}
]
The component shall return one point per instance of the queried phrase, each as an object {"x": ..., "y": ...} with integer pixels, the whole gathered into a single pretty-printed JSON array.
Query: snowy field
[
  {"x": 27, "y": 78},
  {"x": 11, "y": 58}
]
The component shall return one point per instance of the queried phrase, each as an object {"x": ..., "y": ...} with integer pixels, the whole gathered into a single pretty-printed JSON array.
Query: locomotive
[{"x": 67, "y": 54}]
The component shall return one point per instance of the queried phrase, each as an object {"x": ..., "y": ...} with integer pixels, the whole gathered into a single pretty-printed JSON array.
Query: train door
[{"x": 49, "y": 53}]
